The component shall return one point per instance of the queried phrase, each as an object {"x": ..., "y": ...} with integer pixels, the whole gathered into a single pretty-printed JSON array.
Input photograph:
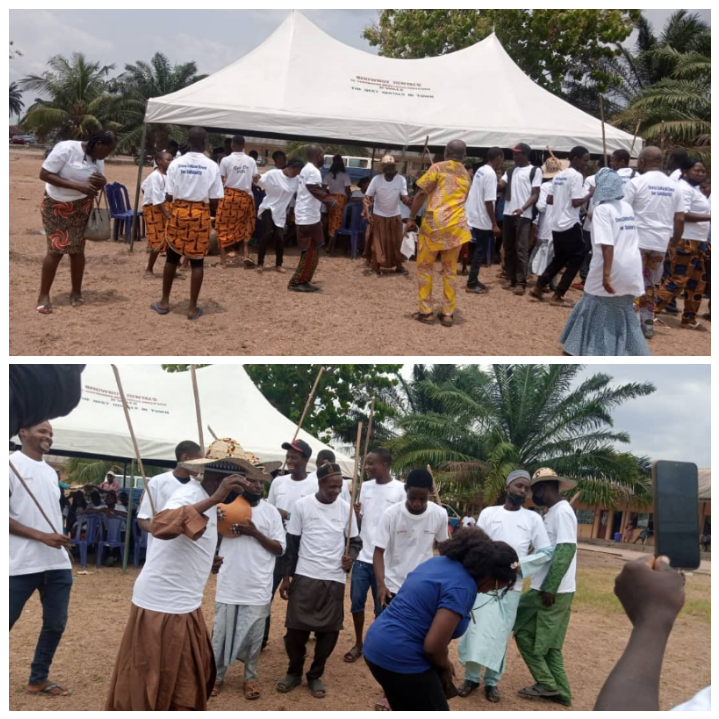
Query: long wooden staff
[
  {"x": 37, "y": 504},
  {"x": 132, "y": 436},
  {"x": 636, "y": 132},
  {"x": 214, "y": 436},
  {"x": 434, "y": 487},
  {"x": 307, "y": 406},
  {"x": 575, "y": 498},
  {"x": 604, "y": 134},
  {"x": 369, "y": 433},
  {"x": 354, "y": 483},
  {"x": 197, "y": 406}
]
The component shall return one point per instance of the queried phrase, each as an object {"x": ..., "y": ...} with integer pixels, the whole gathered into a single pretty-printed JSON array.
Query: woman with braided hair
[
  {"x": 73, "y": 176},
  {"x": 406, "y": 648}
]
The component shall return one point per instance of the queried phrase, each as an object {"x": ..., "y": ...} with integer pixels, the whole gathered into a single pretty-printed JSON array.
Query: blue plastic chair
[
  {"x": 128, "y": 207},
  {"x": 90, "y": 525},
  {"x": 140, "y": 543},
  {"x": 121, "y": 211},
  {"x": 116, "y": 526},
  {"x": 353, "y": 224}
]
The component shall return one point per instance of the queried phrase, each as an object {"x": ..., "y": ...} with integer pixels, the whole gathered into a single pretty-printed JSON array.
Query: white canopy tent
[
  {"x": 162, "y": 408},
  {"x": 302, "y": 83}
]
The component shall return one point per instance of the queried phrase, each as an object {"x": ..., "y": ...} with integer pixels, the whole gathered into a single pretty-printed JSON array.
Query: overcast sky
[
  {"x": 213, "y": 38},
  {"x": 672, "y": 423}
]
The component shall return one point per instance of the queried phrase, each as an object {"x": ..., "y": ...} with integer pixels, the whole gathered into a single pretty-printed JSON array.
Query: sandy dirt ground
[
  {"x": 249, "y": 314},
  {"x": 597, "y": 636}
]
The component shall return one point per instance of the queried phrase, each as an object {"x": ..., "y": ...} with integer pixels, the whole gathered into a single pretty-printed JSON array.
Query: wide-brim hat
[
  {"x": 552, "y": 167},
  {"x": 228, "y": 457},
  {"x": 545, "y": 474}
]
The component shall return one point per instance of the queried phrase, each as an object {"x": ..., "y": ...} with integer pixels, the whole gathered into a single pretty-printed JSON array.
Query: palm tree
[
  {"x": 71, "y": 97},
  {"x": 139, "y": 83},
  {"x": 16, "y": 103},
  {"x": 296, "y": 148},
  {"x": 486, "y": 423},
  {"x": 81, "y": 470}
]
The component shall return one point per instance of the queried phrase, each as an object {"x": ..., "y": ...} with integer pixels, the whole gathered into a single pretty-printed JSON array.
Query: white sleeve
[
  {"x": 678, "y": 201},
  {"x": 372, "y": 189},
  {"x": 216, "y": 190},
  {"x": 170, "y": 181},
  {"x": 688, "y": 197},
  {"x": 57, "y": 159},
  {"x": 442, "y": 531},
  {"x": 145, "y": 511},
  {"x": 382, "y": 533},
  {"x": 602, "y": 229},
  {"x": 254, "y": 168},
  {"x": 294, "y": 526},
  {"x": 403, "y": 191},
  {"x": 550, "y": 191},
  {"x": 277, "y": 530},
  {"x": 540, "y": 540},
  {"x": 223, "y": 166},
  {"x": 482, "y": 521},
  {"x": 504, "y": 177},
  {"x": 630, "y": 191},
  {"x": 566, "y": 527},
  {"x": 271, "y": 494},
  {"x": 489, "y": 188},
  {"x": 542, "y": 201},
  {"x": 354, "y": 531},
  {"x": 577, "y": 185},
  {"x": 157, "y": 191},
  {"x": 538, "y": 176}
]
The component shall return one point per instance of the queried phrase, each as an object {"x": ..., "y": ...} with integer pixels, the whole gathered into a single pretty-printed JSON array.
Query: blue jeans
[
  {"x": 54, "y": 587},
  {"x": 481, "y": 240},
  {"x": 362, "y": 580}
]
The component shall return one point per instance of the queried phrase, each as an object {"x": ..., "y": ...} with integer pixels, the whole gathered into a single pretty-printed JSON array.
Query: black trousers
[
  {"x": 569, "y": 253},
  {"x": 411, "y": 692},
  {"x": 515, "y": 240},
  {"x": 481, "y": 239},
  {"x": 270, "y": 230},
  {"x": 584, "y": 269},
  {"x": 296, "y": 642}
]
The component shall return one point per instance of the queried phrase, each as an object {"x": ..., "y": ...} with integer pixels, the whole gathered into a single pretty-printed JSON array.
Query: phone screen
[{"x": 676, "y": 513}]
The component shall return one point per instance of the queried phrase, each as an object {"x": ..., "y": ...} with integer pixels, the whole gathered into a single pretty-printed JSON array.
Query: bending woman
[
  {"x": 406, "y": 647},
  {"x": 73, "y": 175}
]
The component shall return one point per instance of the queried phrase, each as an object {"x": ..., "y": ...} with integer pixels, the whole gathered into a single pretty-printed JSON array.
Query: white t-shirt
[
  {"x": 408, "y": 540},
  {"x": 195, "y": 178},
  {"x": 386, "y": 195},
  {"x": 566, "y": 186},
  {"x": 701, "y": 702},
  {"x": 375, "y": 498},
  {"x": 323, "y": 531},
  {"x": 483, "y": 190},
  {"x": 162, "y": 487},
  {"x": 561, "y": 525},
  {"x": 176, "y": 570},
  {"x": 467, "y": 521},
  {"x": 521, "y": 189},
  {"x": 520, "y": 530},
  {"x": 28, "y": 556},
  {"x": 697, "y": 203},
  {"x": 546, "y": 213},
  {"x": 590, "y": 181},
  {"x": 627, "y": 174},
  {"x": 153, "y": 189},
  {"x": 238, "y": 170},
  {"x": 676, "y": 176},
  {"x": 279, "y": 190},
  {"x": 337, "y": 185},
  {"x": 68, "y": 160},
  {"x": 245, "y": 576},
  {"x": 346, "y": 489},
  {"x": 613, "y": 224},
  {"x": 655, "y": 200},
  {"x": 285, "y": 491},
  {"x": 307, "y": 207}
]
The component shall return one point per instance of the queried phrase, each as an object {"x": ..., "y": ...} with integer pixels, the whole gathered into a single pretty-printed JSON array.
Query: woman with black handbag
[{"x": 73, "y": 177}]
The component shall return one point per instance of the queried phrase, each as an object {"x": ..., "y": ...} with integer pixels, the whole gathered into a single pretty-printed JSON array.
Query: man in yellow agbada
[{"x": 444, "y": 229}]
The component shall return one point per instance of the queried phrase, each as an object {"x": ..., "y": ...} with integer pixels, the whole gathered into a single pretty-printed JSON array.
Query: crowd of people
[{"x": 306, "y": 538}]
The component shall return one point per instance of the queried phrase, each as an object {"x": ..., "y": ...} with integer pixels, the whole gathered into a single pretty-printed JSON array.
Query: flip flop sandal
[
  {"x": 446, "y": 320},
  {"x": 76, "y": 302},
  {"x": 697, "y": 327},
  {"x": 567, "y": 304},
  {"x": 352, "y": 655},
  {"x": 317, "y": 688},
  {"x": 48, "y": 691},
  {"x": 382, "y": 705},
  {"x": 216, "y": 689},
  {"x": 537, "y": 692},
  {"x": 251, "y": 690},
  {"x": 197, "y": 315},
  {"x": 427, "y": 319},
  {"x": 468, "y": 687},
  {"x": 249, "y": 263},
  {"x": 159, "y": 310},
  {"x": 289, "y": 683},
  {"x": 476, "y": 290},
  {"x": 44, "y": 309}
]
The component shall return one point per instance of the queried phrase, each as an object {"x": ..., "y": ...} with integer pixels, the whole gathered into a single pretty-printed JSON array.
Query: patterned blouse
[{"x": 444, "y": 225}]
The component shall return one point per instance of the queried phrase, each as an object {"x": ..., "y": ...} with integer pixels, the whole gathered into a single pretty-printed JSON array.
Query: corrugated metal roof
[{"x": 705, "y": 485}]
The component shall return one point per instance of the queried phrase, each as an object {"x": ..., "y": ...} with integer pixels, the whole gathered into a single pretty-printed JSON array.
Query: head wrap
[
  {"x": 516, "y": 474},
  {"x": 609, "y": 186}
]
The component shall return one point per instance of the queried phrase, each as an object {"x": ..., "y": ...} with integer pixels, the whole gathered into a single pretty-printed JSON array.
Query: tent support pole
[
  {"x": 128, "y": 528},
  {"x": 371, "y": 165},
  {"x": 604, "y": 133},
  {"x": 143, "y": 144}
]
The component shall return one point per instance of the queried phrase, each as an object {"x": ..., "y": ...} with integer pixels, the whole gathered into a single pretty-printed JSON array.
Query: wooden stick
[
  {"x": 574, "y": 498},
  {"x": 37, "y": 504},
  {"x": 369, "y": 433},
  {"x": 134, "y": 440},
  {"x": 354, "y": 482},
  {"x": 434, "y": 487},
  {"x": 604, "y": 134},
  {"x": 427, "y": 152},
  {"x": 307, "y": 406},
  {"x": 636, "y": 132},
  {"x": 214, "y": 436},
  {"x": 197, "y": 406}
]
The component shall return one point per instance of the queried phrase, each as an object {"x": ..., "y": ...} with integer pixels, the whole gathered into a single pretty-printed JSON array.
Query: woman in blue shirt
[{"x": 406, "y": 648}]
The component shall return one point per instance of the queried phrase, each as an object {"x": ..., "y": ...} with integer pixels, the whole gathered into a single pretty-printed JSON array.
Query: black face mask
[
  {"x": 694, "y": 183},
  {"x": 516, "y": 499},
  {"x": 251, "y": 498}
]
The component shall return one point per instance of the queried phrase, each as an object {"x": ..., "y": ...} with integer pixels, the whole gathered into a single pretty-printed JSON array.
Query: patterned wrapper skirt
[
  {"x": 386, "y": 235},
  {"x": 188, "y": 230},
  {"x": 64, "y": 224},
  {"x": 604, "y": 327},
  {"x": 335, "y": 215},
  {"x": 155, "y": 224},
  {"x": 235, "y": 217}
]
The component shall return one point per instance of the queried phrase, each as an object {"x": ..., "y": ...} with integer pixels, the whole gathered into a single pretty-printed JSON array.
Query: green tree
[
  {"x": 81, "y": 470},
  {"x": 549, "y": 45},
  {"x": 136, "y": 86},
  {"x": 485, "y": 423},
  {"x": 72, "y": 95},
  {"x": 16, "y": 103},
  {"x": 296, "y": 149}
]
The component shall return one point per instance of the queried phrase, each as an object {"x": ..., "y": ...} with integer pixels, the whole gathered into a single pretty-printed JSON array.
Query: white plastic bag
[{"x": 409, "y": 245}]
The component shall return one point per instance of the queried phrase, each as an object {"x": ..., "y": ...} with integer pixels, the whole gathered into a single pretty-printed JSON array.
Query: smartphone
[{"x": 676, "y": 513}]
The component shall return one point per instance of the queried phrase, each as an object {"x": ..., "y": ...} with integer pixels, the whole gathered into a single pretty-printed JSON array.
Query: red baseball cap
[
  {"x": 300, "y": 446},
  {"x": 522, "y": 147}
]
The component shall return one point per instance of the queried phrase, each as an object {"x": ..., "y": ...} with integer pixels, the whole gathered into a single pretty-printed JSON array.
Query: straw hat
[
  {"x": 552, "y": 167},
  {"x": 227, "y": 455},
  {"x": 545, "y": 474}
]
